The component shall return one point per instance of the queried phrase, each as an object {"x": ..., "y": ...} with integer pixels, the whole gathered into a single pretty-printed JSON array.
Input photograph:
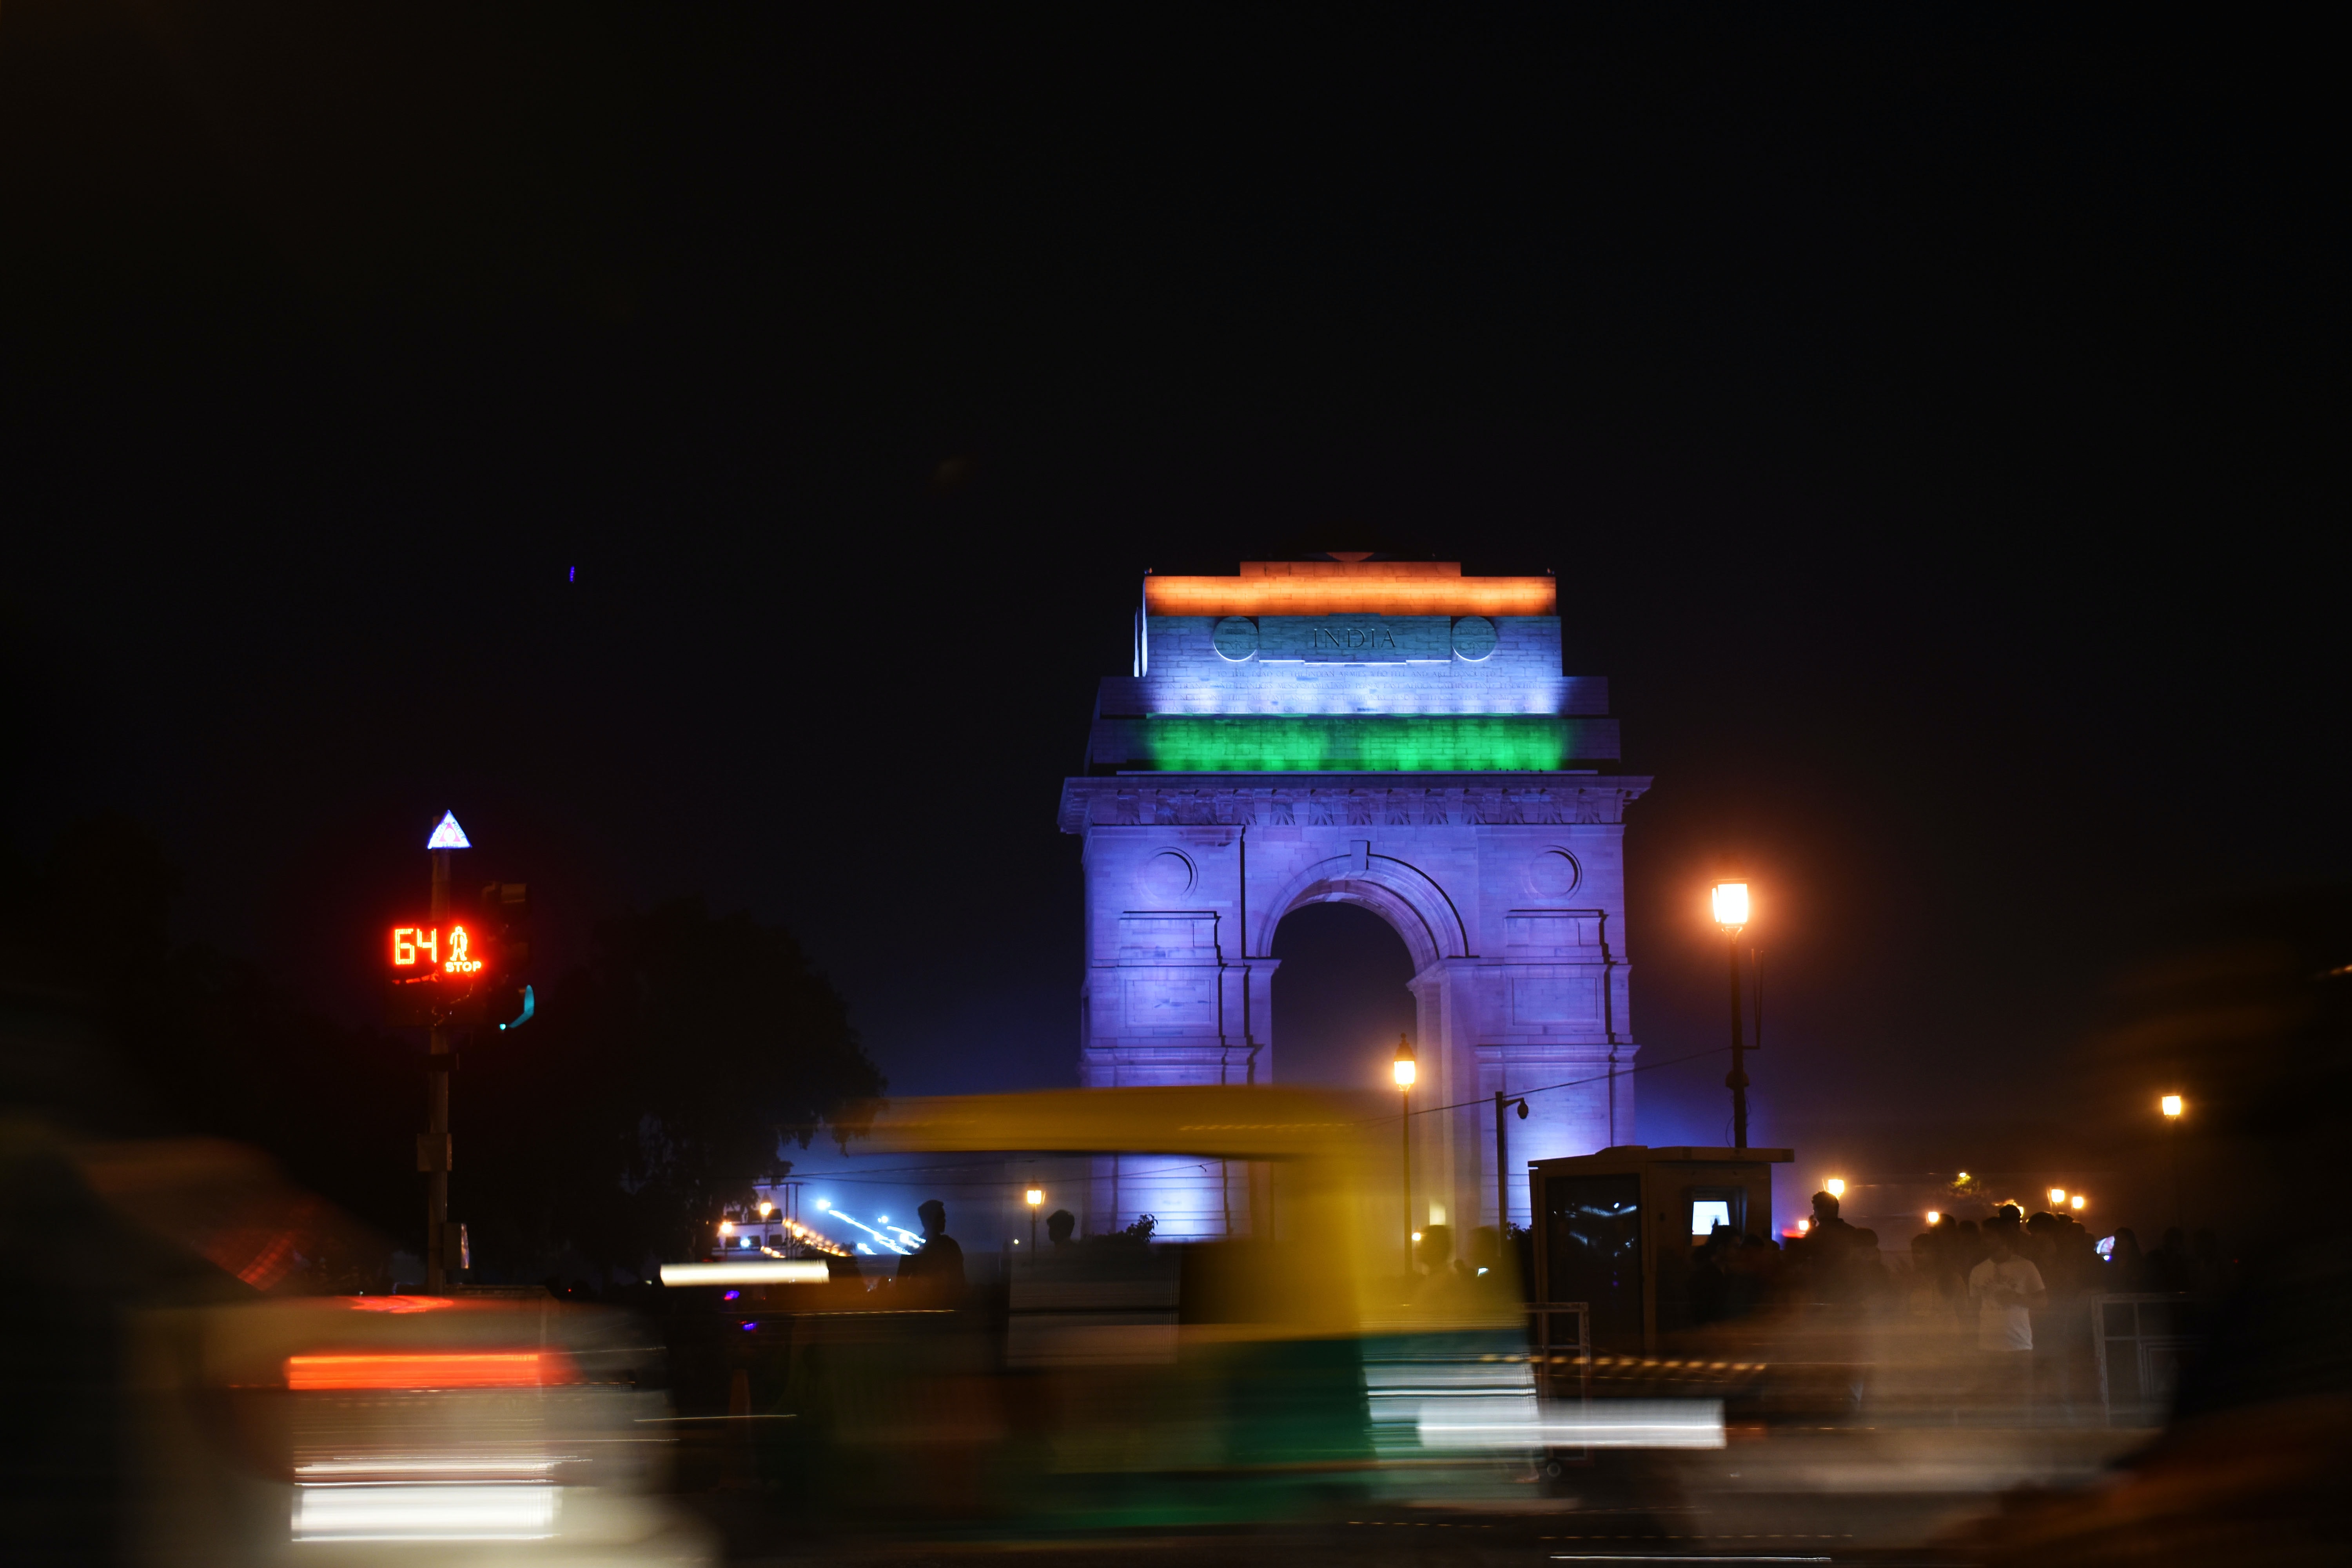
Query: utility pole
[
  {"x": 436, "y": 1092},
  {"x": 444, "y": 1253},
  {"x": 445, "y": 976}
]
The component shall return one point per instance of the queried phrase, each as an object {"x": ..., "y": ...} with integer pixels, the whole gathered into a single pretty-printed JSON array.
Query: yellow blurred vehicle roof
[{"x": 1330, "y": 1256}]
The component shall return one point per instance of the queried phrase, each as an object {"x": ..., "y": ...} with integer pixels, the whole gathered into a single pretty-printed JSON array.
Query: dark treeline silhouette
[
  {"x": 659, "y": 1079},
  {"x": 675, "y": 1068}
]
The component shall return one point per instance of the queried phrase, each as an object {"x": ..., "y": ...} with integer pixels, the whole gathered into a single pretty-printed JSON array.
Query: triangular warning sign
[{"x": 448, "y": 835}]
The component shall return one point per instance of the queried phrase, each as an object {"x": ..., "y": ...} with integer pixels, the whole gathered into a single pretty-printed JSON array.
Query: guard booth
[{"x": 1616, "y": 1231}]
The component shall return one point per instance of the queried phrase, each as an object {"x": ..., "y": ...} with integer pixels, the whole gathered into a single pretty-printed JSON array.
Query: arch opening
[{"x": 1341, "y": 995}]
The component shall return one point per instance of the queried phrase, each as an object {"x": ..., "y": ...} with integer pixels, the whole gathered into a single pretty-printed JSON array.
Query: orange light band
[
  {"x": 1336, "y": 587},
  {"x": 397, "y": 1303},
  {"x": 494, "y": 1369}
]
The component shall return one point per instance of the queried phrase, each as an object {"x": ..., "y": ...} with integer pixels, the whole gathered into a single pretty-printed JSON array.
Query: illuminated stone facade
[{"x": 1286, "y": 739}]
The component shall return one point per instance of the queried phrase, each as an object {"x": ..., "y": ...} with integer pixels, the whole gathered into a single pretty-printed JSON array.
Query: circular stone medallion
[
  {"x": 1166, "y": 876},
  {"x": 1553, "y": 874},
  {"x": 1235, "y": 637},
  {"x": 1474, "y": 637}
]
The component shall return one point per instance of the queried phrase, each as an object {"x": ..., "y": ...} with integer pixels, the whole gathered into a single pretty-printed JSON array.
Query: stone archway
[
  {"x": 1390, "y": 734},
  {"x": 1514, "y": 929}
]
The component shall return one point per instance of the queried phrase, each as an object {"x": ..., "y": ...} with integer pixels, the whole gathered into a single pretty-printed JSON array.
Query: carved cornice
[{"x": 1335, "y": 800}]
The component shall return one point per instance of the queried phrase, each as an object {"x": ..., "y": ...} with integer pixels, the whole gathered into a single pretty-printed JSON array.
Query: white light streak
[
  {"x": 432, "y": 1465},
  {"x": 775, "y": 1271},
  {"x": 886, "y": 1241},
  {"x": 1514, "y": 1424},
  {"x": 397, "y": 1512}
]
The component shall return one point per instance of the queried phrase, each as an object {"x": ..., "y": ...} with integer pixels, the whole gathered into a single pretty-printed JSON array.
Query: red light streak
[{"x": 471, "y": 1369}]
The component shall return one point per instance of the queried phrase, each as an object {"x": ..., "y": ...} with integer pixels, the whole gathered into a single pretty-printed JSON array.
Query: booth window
[
  {"x": 1711, "y": 1206},
  {"x": 1592, "y": 1243}
]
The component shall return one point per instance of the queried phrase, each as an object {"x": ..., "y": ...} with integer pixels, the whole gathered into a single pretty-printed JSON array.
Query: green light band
[{"x": 1353, "y": 743}]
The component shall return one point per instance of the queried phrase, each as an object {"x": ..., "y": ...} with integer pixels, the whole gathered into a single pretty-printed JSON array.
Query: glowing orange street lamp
[
  {"x": 1731, "y": 914},
  {"x": 1035, "y": 1198},
  {"x": 1406, "y": 1070}
]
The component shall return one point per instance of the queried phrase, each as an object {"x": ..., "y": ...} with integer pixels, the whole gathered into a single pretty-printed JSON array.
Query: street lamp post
[
  {"x": 1502, "y": 1169},
  {"x": 1731, "y": 914},
  {"x": 1035, "y": 1198},
  {"x": 1406, "y": 1071},
  {"x": 2172, "y": 1105}
]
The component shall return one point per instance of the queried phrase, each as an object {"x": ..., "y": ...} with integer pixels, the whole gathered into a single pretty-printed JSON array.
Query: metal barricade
[
  {"x": 2140, "y": 1339},
  {"x": 1560, "y": 1338}
]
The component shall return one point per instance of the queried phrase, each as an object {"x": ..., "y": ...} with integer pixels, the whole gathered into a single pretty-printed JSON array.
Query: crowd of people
[{"x": 2011, "y": 1294}]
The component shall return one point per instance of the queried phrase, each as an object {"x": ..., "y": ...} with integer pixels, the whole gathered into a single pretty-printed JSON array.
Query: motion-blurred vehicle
[
  {"x": 1287, "y": 1371},
  {"x": 481, "y": 1426},
  {"x": 194, "y": 1379}
]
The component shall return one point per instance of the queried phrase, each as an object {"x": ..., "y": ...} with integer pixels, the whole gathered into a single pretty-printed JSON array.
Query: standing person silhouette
[
  {"x": 1059, "y": 1224},
  {"x": 2007, "y": 1288},
  {"x": 939, "y": 1260}
]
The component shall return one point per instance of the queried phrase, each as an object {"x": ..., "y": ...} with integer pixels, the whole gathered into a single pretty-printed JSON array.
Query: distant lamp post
[
  {"x": 1406, "y": 1071},
  {"x": 2076, "y": 1201},
  {"x": 1935, "y": 1216},
  {"x": 2174, "y": 1108},
  {"x": 2057, "y": 1196},
  {"x": 1503, "y": 1165},
  {"x": 1834, "y": 1186},
  {"x": 766, "y": 1208},
  {"x": 1731, "y": 914},
  {"x": 1035, "y": 1198}
]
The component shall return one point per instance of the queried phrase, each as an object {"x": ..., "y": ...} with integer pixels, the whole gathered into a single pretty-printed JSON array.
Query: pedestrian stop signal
[{"x": 416, "y": 953}]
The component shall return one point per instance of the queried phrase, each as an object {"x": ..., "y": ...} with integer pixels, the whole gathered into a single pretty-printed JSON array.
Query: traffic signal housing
[{"x": 506, "y": 915}]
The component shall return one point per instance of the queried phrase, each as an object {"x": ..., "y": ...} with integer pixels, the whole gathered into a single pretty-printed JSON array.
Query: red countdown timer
[
  {"x": 416, "y": 953},
  {"x": 440, "y": 973}
]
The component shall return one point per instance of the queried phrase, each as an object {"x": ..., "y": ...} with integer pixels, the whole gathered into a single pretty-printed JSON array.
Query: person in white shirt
[{"x": 2006, "y": 1289}]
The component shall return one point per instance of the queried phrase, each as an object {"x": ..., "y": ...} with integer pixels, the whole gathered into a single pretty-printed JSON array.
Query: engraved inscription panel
[
  {"x": 1550, "y": 932},
  {"x": 1555, "y": 999},
  {"x": 1355, "y": 639},
  {"x": 1186, "y": 1005},
  {"x": 1168, "y": 939}
]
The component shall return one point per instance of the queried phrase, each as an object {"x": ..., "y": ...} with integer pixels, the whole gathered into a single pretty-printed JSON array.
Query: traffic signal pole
[{"x": 437, "y": 1089}]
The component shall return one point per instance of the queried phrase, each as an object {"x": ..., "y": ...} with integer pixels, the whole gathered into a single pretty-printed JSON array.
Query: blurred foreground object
[
  {"x": 184, "y": 1390},
  {"x": 382, "y": 1424},
  {"x": 1288, "y": 1371},
  {"x": 2249, "y": 1011}
]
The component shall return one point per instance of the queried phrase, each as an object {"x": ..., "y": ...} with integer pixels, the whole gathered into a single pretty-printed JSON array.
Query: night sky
[{"x": 715, "y": 449}]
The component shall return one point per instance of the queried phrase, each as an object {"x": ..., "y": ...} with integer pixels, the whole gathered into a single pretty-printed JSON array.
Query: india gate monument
[{"x": 1389, "y": 734}]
